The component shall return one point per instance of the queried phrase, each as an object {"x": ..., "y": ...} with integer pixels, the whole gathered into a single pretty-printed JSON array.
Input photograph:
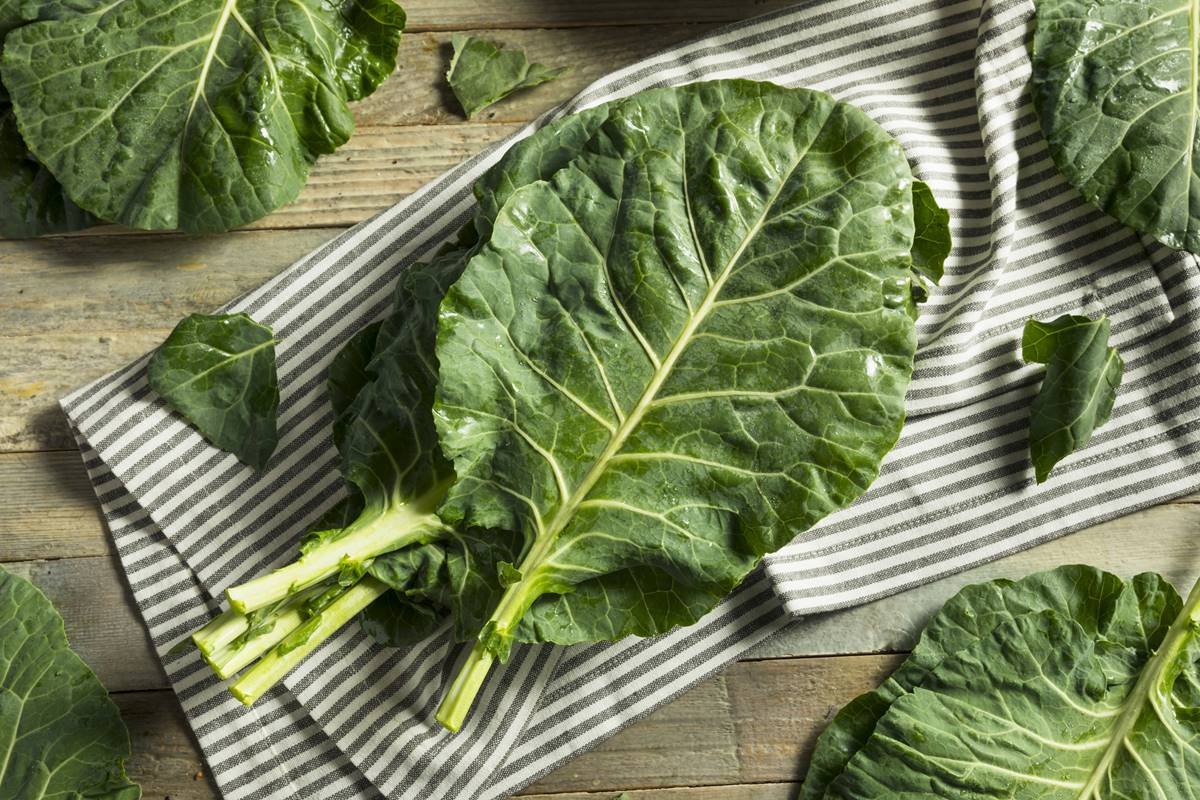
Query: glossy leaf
[
  {"x": 1133, "y": 614},
  {"x": 60, "y": 734},
  {"x": 219, "y": 373},
  {"x": 205, "y": 118},
  {"x": 931, "y": 234},
  {"x": 483, "y": 72},
  {"x": 1046, "y": 704},
  {"x": 1114, "y": 85},
  {"x": 684, "y": 349},
  {"x": 1077, "y": 394}
]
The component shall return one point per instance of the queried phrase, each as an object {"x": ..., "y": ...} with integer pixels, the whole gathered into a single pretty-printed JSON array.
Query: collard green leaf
[
  {"x": 483, "y": 72},
  {"x": 218, "y": 371},
  {"x": 1046, "y": 705},
  {"x": 677, "y": 354},
  {"x": 931, "y": 234},
  {"x": 1077, "y": 394},
  {"x": 1114, "y": 85},
  {"x": 205, "y": 118},
  {"x": 1133, "y": 615},
  {"x": 32, "y": 202},
  {"x": 60, "y": 734}
]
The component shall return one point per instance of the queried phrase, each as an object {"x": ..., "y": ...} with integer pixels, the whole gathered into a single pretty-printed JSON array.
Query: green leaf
[
  {"x": 205, "y": 118},
  {"x": 219, "y": 372},
  {"x": 931, "y": 234},
  {"x": 1115, "y": 88},
  {"x": 60, "y": 734},
  {"x": 31, "y": 200},
  {"x": 1048, "y": 705},
  {"x": 1077, "y": 394},
  {"x": 483, "y": 72},
  {"x": 677, "y": 354},
  {"x": 1133, "y": 615}
]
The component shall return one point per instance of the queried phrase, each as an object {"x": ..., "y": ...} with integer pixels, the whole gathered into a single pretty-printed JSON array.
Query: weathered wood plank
[
  {"x": 166, "y": 758},
  {"x": 754, "y": 791},
  {"x": 103, "y": 624},
  {"x": 753, "y": 724},
  {"x": 48, "y": 509},
  {"x": 73, "y": 309},
  {"x": 461, "y": 14},
  {"x": 105, "y": 627},
  {"x": 417, "y": 93}
]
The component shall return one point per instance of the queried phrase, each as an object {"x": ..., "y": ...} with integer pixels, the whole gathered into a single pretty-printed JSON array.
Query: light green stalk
[
  {"x": 303, "y": 640},
  {"x": 405, "y": 524}
]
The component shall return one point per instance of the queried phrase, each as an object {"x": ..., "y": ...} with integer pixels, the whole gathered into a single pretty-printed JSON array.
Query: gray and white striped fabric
[{"x": 949, "y": 80}]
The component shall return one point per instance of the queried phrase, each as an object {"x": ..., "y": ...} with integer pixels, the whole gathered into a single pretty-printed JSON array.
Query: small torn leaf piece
[
  {"x": 61, "y": 734},
  {"x": 483, "y": 72},
  {"x": 931, "y": 234},
  {"x": 32, "y": 202},
  {"x": 219, "y": 372},
  {"x": 1077, "y": 394}
]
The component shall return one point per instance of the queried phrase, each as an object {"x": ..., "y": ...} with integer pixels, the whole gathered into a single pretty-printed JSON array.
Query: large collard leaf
[
  {"x": 244, "y": 96},
  {"x": 218, "y": 371},
  {"x": 1077, "y": 394},
  {"x": 32, "y": 202},
  {"x": 483, "y": 72},
  {"x": 680, "y": 352},
  {"x": 1115, "y": 87},
  {"x": 1046, "y": 706},
  {"x": 1133, "y": 615},
  {"x": 60, "y": 734}
]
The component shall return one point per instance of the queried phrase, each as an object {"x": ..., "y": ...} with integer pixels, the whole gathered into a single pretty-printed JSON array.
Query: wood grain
[
  {"x": 417, "y": 93},
  {"x": 464, "y": 14},
  {"x": 731, "y": 734}
]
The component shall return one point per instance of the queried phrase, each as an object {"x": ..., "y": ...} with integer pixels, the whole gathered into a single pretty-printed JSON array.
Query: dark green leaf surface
[
  {"x": 219, "y": 373},
  {"x": 32, "y": 202},
  {"x": 931, "y": 233},
  {"x": 483, "y": 72},
  {"x": 1077, "y": 394},
  {"x": 204, "y": 118},
  {"x": 681, "y": 351},
  {"x": 1115, "y": 87},
  {"x": 60, "y": 734},
  {"x": 1133, "y": 615},
  {"x": 1092, "y": 696}
]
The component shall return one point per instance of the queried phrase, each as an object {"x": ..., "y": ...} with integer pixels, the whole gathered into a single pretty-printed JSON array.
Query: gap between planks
[{"x": 752, "y": 724}]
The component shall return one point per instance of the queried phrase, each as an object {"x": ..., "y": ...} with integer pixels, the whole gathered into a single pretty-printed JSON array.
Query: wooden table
[{"x": 73, "y": 308}]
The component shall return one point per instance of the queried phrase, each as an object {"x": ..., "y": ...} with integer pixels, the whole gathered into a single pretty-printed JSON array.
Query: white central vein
[
  {"x": 210, "y": 56},
  {"x": 1145, "y": 692},
  {"x": 224, "y": 362},
  {"x": 510, "y": 605}
]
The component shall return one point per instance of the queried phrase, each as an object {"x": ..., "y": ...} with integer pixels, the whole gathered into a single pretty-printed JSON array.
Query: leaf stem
[
  {"x": 304, "y": 639},
  {"x": 455, "y": 706},
  {"x": 221, "y": 631},
  {"x": 263, "y": 634},
  {"x": 366, "y": 538}
]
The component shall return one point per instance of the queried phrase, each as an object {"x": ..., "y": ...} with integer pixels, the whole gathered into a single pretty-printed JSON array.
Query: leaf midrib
[
  {"x": 223, "y": 363},
  {"x": 1142, "y": 694},
  {"x": 544, "y": 543}
]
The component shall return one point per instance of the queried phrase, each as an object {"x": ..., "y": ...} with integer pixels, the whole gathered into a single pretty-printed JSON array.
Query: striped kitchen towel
[{"x": 950, "y": 81}]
